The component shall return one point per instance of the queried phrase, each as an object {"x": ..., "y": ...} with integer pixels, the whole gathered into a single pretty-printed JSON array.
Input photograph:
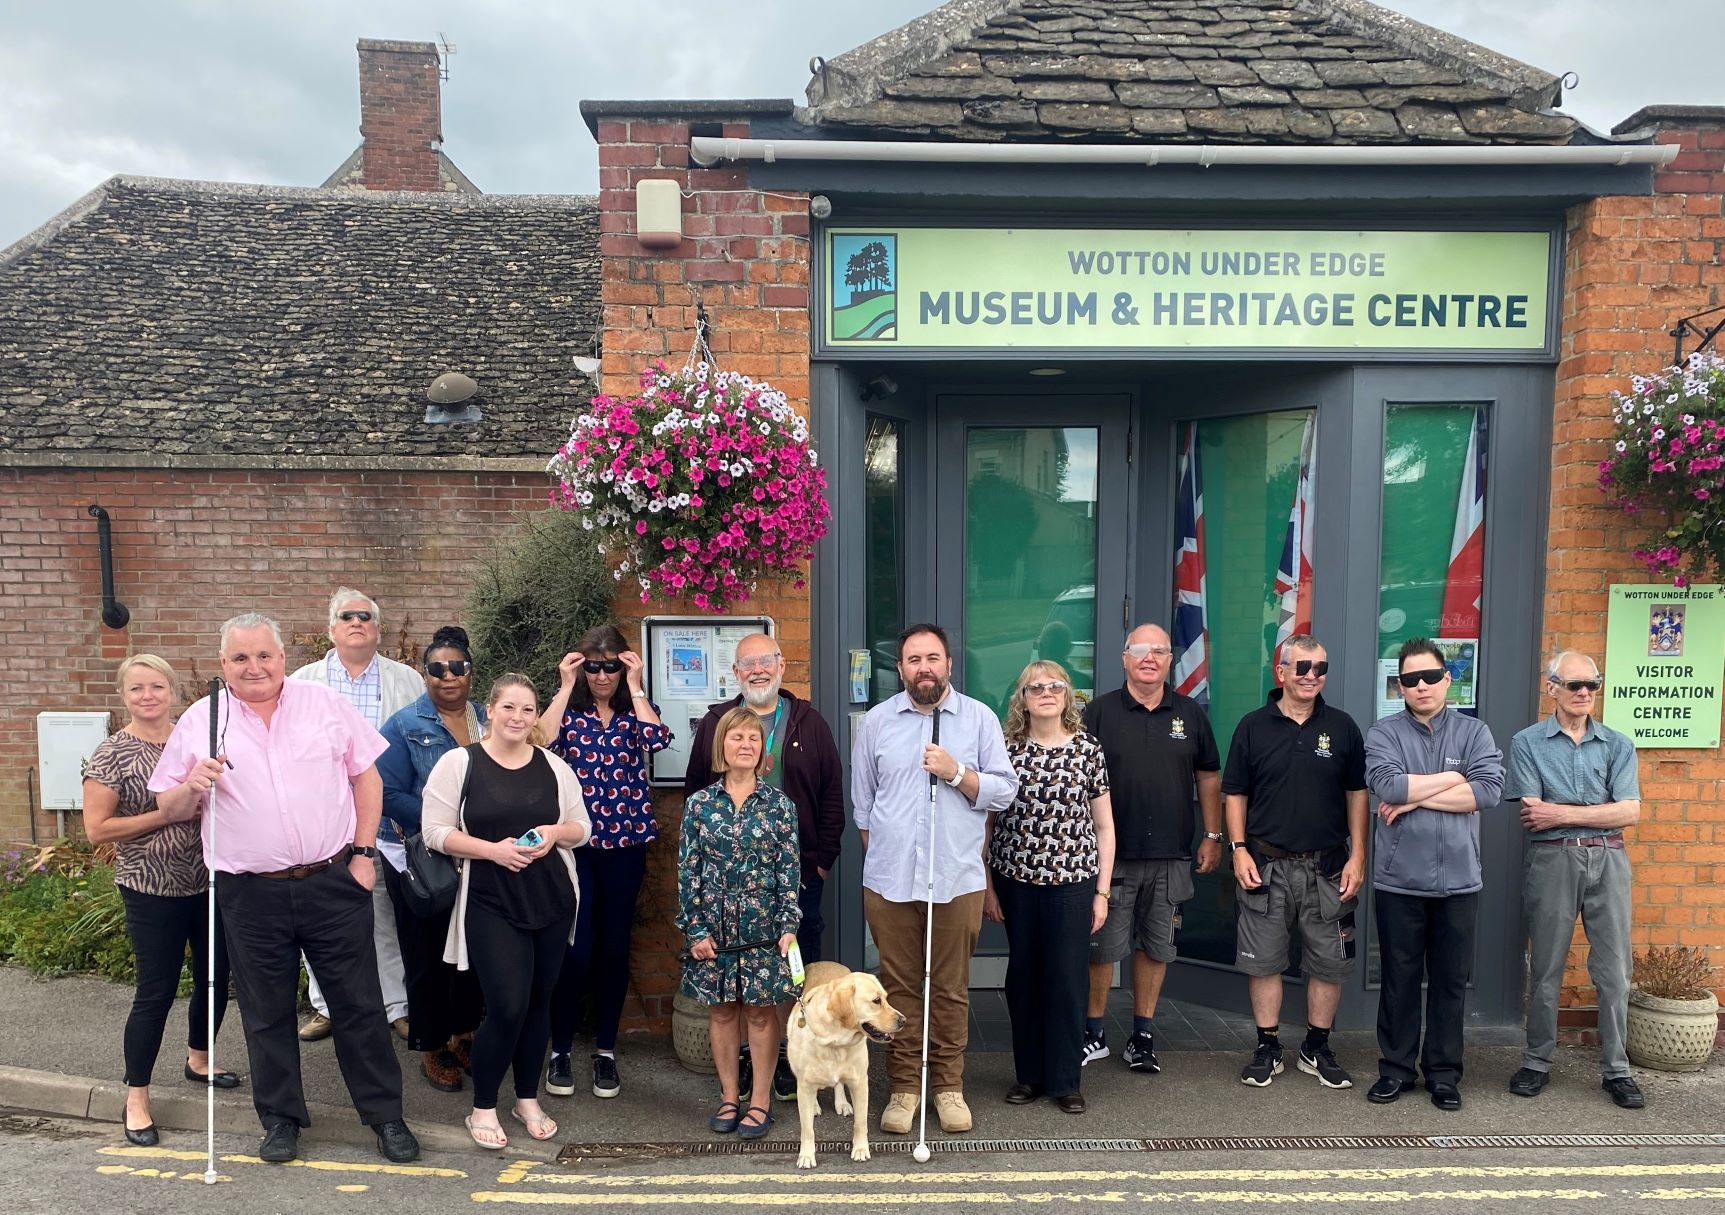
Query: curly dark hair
[{"x": 449, "y": 637}]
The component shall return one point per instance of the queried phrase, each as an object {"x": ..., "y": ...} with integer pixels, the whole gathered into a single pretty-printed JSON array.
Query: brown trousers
[{"x": 898, "y": 930}]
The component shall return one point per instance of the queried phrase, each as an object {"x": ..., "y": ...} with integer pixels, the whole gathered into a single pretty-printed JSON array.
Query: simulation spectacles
[
  {"x": 1145, "y": 650},
  {"x": 455, "y": 670},
  {"x": 1306, "y": 666},
  {"x": 1579, "y": 685},
  {"x": 760, "y": 662},
  {"x": 1042, "y": 687},
  {"x": 1430, "y": 675},
  {"x": 362, "y": 617},
  {"x": 608, "y": 666}
]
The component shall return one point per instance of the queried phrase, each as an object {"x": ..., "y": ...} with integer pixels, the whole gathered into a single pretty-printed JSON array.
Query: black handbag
[{"x": 431, "y": 880}]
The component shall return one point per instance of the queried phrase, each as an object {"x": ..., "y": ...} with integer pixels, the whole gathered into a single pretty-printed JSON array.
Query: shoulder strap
[{"x": 466, "y": 784}]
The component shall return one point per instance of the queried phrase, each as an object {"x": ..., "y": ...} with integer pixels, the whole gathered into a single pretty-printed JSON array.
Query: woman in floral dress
[{"x": 737, "y": 874}]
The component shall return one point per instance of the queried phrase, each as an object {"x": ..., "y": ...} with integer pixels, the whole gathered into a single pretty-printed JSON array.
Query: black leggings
[
  {"x": 161, "y": 926},
  {"x": 598, "y": 958},
  {"x": 517, "y": 969}
]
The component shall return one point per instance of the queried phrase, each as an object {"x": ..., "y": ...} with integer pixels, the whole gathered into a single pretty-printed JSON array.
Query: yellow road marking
[
  {"x": 126, "y": 1170},
  {"x": 1681, "y": 1195},
  {"x": 514, "y": 1174},
  {"x": 872, "y": 1198},
  {"x": 327, "y": 1166},
  {"x": 351, "y": 1189}
]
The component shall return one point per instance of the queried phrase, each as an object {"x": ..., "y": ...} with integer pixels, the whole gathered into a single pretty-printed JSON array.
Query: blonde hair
[
  {"x": 155, "y": 662},
  {"x": 740, "y": 718},
  {"x": 514, "y": 679},
  {"x": 1017, "y": 727}
]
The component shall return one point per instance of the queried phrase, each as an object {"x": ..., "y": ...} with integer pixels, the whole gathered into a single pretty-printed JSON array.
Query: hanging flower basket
[
  {"x": 705, "y": 483},
  {"x": 1668, "y": 462}
]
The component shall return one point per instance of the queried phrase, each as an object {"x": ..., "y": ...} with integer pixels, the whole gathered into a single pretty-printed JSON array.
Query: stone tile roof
[
  {"x": 187, "y": 318},
  {"x": 1216, "y": 71}
]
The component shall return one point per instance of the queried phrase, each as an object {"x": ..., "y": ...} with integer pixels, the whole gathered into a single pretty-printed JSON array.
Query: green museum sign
[
  {"x": 1664, "y": 658},
  {"x": 1172, "y": 291}
]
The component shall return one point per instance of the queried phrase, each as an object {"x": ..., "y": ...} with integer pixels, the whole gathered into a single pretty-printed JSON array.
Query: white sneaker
[{"x": 1095, "y": 1048}]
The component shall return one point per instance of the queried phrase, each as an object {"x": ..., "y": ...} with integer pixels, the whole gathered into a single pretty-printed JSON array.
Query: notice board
[{"x": 688, "y": 661}]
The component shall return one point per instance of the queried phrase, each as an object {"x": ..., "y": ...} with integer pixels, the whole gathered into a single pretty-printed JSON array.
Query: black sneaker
[
  {"x": 1528, "y": 1083},
  {"x": 1095, "y": 1047},
  {"x": 1266, "y": 1064},
  {"x": 1140, "y": 1053},
  {"x": 560, "y": 1077},
  {"x": 605, "y": 1081},
  {"x": 784, "y": 1081},
  {"x": 1321, "y": 1063},
  {"x": 1625, "y": 1092}
]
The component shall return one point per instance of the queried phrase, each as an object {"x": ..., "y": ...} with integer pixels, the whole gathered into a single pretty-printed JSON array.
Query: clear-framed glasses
[
  {"x": 1144, "y": 650},
  {"x": 1044, "y": 686},
  {"x": 760, "y": 662}
]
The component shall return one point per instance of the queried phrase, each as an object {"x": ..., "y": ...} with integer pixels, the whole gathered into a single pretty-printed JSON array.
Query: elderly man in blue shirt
[
  {"x": 1579, "y": 788},
  {"x": 894, "y": 763}
]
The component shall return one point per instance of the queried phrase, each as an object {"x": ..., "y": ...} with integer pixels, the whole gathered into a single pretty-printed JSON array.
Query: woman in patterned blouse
[
  {"x": 738, "y": 870},
  {"x": 159, "y": 869},
  {"x": 604, "y": 727},
  {"x": 1044, "y": 852}
]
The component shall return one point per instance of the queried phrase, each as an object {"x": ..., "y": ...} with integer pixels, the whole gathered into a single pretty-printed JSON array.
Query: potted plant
[{"x": 1673, "y": 1013}]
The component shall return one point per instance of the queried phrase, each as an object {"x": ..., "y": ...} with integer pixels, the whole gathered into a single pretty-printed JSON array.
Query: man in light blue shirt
[{"x": 894, "y": 764}]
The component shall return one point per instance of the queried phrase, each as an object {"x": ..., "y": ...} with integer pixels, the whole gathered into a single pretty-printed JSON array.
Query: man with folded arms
[
  {"x": 1577, "y": 783},
  {"x": 1433, "y": 771},
  {"x": 294, "y": 837}
]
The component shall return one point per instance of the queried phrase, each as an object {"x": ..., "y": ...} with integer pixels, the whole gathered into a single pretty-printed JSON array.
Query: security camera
[{"x": 820, "y": 206}]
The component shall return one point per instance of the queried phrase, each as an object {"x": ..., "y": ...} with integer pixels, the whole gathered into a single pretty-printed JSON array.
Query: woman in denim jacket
[{"x": 444, "y": 1005}]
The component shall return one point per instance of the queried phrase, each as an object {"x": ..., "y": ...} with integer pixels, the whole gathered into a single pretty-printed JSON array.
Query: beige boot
[
  {"x": 954, "y": 1113},
  {"x": 899, "y": 1113}
]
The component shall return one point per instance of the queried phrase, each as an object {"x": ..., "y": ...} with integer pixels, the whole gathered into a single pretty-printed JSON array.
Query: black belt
[
  {"x": 1280, "y": 854},
  {"x": 295, "y": 873},
  {"x": 1615, "y": 840}
]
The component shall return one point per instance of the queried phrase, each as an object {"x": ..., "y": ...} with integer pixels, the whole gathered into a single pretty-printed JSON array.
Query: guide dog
[{"x": 831, "y": 1025}]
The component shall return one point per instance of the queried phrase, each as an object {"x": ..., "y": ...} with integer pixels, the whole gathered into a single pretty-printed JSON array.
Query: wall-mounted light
[{"x": 821, "y": 207}]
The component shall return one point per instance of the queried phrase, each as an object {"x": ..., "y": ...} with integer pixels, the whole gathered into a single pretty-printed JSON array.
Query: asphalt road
[{"x": 54, "y": 1165}]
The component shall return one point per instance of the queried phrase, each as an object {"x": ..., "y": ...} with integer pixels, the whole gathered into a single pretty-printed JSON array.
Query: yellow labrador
[{"x": 827, "y": 1041}]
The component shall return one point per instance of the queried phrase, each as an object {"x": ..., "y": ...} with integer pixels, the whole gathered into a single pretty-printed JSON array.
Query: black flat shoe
[
  {"x": 395, "y": 1143},
  {"x": 1386, "y": 1090},
  {"x": 281, "y": 1143},
  {"x": 1446, "y": 1096},
  {"x": 1071, "y": 1103},
  {"x": 1022, "y": 1094},
  {"x": 220, "y": 1079},
  {"x": 147, "y": 1137}
]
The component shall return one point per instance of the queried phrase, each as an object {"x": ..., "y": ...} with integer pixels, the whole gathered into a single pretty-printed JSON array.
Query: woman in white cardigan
[{"x": 515, "y": 912}]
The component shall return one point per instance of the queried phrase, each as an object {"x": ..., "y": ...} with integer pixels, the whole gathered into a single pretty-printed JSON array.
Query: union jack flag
[
  {"x": 1466, "y": 575},
  {"x": 1191, "y": 619},
  {"x": 1294, "y": 576}
]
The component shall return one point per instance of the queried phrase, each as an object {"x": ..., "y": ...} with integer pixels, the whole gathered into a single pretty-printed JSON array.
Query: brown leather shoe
[
  {"x": 441, "y": 1070},
  {"x": 1072, "y": 1103},
  {"x": 317, "y": 1027},
  {"x": 462, "y": 1049}
]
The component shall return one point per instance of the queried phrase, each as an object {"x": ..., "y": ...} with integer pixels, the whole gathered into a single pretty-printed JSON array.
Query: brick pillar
[{"x": 400, "y": 115}]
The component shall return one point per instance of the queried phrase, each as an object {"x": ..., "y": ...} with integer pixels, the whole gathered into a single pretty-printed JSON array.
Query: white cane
[
  {"x": 920, "y": 1152},
  {"x": 210, "y": 959}
]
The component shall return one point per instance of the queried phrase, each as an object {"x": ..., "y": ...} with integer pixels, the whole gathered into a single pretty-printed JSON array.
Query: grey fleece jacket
[{"x": 1430, "y": 853}]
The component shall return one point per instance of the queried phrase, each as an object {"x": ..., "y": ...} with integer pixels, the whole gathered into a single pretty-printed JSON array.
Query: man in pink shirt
[{"x": 297, "y": 805}]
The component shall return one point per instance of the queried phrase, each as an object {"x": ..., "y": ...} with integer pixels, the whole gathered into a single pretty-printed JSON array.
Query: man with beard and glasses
[
  {"x": 803, "y": 761},
  {"x": 893, "y": 763}
]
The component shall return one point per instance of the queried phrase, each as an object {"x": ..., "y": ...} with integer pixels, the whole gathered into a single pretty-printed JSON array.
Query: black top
[
  {"x": 504, "y": 804},
  {"x": 1152, "y": 755},
  {"x": 1296, "y": 777}
]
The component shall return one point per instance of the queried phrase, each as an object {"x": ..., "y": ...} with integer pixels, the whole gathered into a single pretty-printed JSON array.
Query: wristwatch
[
  {"x": 1107, "y": 894},
  {"x": 958, "y": 776},
  {"x": 1213, "y": 835},
  {"x": 364, "y": 850},
  {"x": 1236, "y": 845}
]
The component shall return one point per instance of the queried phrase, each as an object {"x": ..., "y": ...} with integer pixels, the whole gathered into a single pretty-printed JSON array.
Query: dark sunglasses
[
  {"x": 609, "y": 666},
  {"x": 1306, "y": 666},
  {"x": 1579, "y": 685},
  {"x": 362, "y": 617},
  {"x": 458, "y": 668},
  {"x": 1433, "y": 676}
]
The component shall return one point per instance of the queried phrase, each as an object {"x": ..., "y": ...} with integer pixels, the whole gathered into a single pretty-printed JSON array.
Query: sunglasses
[
  {"x": 1144, "y": 650},
  {"x": 760, "y": 662},
  {"x": 608, "y": 666},
  {"x": 1306, "y": 666},
  {"x": 456, "y": 669},
  {"x": 1040, "y": 687},
  {"x": 1431, "y": 675},
  {"x": 1579, "y": 685},
  {"x": 362, "y": 617}
]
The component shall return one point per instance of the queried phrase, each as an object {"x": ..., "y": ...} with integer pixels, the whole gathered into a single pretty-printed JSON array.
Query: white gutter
[{"x": 708, "y": 150}]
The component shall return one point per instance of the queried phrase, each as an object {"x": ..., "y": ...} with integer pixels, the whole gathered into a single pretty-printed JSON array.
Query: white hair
[
  {"x": 251, "y": 620},
  {"x": 1556, "y": 664},
  {"x": 345, "y": 595}
]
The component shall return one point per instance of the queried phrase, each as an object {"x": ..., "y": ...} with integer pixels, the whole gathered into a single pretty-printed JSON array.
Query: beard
[
  {"x": 760, "y": 698},
  {"x": 928, "y": 694}
]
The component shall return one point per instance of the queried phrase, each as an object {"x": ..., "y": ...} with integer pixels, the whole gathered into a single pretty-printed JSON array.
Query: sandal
[
  {"x": 754, "y": 1130},
  {"x": 501, "y": 1140},
  {"x": 536, "y": 1127},
  {"x": 722, "y": 1123}
]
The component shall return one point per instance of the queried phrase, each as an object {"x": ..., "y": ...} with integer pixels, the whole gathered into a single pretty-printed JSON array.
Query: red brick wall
[
  {"x": 745, "y": 256},
  {"x": 1634, "y": 265},
  {"x": 400, "y": 115}
]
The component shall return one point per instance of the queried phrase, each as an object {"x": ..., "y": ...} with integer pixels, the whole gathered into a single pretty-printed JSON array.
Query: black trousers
[
  {"x": 328, "y": 917},
  {"x": 161, "y": 928},
  {"x": 1047, "y": 978},
  {"x": 1429, "y": 939},
  {"x": 441, "y": 1000},
  {"x": 517, "y": 969},
  {"x": 598, "y": 960}
]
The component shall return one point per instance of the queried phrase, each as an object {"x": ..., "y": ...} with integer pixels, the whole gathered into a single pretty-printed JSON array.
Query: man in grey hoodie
[{"x": 1433, "y": 770}]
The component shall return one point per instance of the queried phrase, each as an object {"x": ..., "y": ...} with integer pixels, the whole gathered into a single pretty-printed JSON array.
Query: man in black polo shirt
[
  {"x": 1157, "y": 744},
  {"x": 1296, "y": 803}
]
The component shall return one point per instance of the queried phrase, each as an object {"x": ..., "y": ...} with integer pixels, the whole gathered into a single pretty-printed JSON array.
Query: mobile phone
[{"x": 532, "y": 839}]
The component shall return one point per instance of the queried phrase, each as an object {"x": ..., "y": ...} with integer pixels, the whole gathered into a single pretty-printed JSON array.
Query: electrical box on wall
[
  {"x": 658, "y": 212},
  {"x": 63, "y": 742}
]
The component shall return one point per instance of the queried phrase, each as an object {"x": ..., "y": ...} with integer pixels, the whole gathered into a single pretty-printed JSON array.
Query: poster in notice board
[{"x": 688, "y": 662}]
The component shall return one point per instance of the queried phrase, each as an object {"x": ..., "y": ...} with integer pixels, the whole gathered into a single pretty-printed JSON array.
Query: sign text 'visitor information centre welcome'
[{"x": 901, "y": 290}]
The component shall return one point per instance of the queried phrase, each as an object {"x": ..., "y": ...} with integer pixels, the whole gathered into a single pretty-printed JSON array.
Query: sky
[{"x": 234, "y": 90}]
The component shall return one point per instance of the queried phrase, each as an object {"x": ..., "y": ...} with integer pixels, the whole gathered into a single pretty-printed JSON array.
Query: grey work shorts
[
  {"x": 1294, "y": 895},
  {"x": 1143, "y": 911}
]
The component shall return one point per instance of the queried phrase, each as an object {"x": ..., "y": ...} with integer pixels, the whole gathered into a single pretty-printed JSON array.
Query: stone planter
[
  {"x": 1671, "y": 1035},
  {"x": 689, "y": 1035}
]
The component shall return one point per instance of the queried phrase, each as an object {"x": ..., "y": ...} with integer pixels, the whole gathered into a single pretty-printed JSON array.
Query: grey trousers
[{"x": 1560, "y": 884}]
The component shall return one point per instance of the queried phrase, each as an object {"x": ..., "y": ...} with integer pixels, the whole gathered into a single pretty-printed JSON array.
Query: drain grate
[
  {"x": 1274, "y": 1143},
  {"x": 1576, "y": 1141}
]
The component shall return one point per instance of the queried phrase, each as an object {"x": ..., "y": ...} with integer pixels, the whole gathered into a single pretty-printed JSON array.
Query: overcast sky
[{"x": 268, "y": 92}]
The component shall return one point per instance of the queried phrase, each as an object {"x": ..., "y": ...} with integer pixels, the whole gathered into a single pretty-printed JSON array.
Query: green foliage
[
  {"x": 56, "y": 923},
  {"x": 533, "y": 596}
]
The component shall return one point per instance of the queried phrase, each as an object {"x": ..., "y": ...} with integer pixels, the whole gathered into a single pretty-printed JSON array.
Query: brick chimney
[{"x": 400, "y": 115}]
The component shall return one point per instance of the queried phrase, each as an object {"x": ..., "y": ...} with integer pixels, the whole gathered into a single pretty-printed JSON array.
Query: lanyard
[{"x": 774, "y": 732}]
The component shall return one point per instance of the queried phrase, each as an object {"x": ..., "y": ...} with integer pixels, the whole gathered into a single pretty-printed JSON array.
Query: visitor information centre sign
[
  {"x": 1664, "y": 657},
  {"x": 899, "y": 291}
]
